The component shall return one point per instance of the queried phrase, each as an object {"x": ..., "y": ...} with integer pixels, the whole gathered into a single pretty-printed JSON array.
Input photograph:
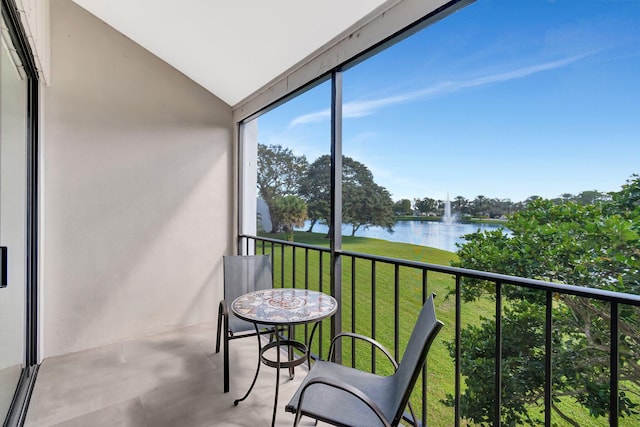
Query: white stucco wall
[{"x": 137, "y": 190}]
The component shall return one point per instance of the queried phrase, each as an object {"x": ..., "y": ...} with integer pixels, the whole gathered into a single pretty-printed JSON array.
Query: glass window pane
[
  {"x": 492, "y": 107},
  {"x": 465, "y": 123},
  {"x": 13, "y": 157},
  {"x": 291, "y": 147}
]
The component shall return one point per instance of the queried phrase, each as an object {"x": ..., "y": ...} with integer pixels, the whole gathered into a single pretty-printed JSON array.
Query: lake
[{"x": 425, "y": 233}]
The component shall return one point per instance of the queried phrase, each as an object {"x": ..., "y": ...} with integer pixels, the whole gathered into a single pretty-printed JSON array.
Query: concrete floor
[{"x": 171, "y": 379}]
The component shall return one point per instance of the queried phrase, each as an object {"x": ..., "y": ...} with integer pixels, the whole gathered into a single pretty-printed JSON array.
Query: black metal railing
[{"x": 369, "y": 282}]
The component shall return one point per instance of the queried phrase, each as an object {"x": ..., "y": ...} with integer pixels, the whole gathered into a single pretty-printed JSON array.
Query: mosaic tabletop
[{"x": 284, "y": 306}]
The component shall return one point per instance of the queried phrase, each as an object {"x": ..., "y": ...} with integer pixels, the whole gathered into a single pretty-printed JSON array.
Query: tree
[
  {"x": 506, "y": 206},
  {"x": 288, "y": 212},
  {"x": 315, "y": 189},
  {"x": 364, "y": 202},
  {"x": 460, "y": 204},
  {"x": 596, "y": 245},
  {"x": 480, "y": 206},
  {"x": 426, "y": 206},
  {"x": 590, "y": 197},
  {"x": 279, "y": 172},
  {"x": 367, "y": 204},
  {"x": 403, "y": 207},
  {"x": 531, "y": 199}
]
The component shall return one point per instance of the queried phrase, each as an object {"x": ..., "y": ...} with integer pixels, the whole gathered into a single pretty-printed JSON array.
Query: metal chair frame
[
  {"x": 335, "y": 383},
  {"x": 224, "y": 312}
]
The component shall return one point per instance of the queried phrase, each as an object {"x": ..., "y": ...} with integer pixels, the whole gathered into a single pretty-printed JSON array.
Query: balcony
[{"x": 133, "y": 198}]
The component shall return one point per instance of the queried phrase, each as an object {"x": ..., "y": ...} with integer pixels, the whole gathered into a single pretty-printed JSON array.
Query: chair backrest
[
  {"x": 424, "y": 332},
  {"x": 244, "y": 274}
]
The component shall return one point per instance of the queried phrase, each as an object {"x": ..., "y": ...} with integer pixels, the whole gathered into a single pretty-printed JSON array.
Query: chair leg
[
  {"x": 292, "y": 372},
  {"x": 226, "y": 364},
  {"x": 226, "y": 354}
]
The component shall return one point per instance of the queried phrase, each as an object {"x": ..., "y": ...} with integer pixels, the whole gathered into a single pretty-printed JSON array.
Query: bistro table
[{"x": 283, "y": 307}]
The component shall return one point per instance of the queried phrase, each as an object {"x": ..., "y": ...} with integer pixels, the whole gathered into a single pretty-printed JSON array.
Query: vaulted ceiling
[{"x": 232, "y": 47}]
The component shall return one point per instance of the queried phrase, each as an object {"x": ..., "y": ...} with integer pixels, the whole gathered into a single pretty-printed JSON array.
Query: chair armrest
[
  {"x": 380, "y": 347},
  {"x": 347, "y": 388}
]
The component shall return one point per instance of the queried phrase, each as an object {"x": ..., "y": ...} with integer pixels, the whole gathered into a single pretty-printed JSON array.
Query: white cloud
[
  {"x": 317, "y": 117},
  {"x": 357, "y": 109}
]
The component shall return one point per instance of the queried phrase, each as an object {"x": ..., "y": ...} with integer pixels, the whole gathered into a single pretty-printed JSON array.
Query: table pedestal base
[{"x": 292, "y": 362}]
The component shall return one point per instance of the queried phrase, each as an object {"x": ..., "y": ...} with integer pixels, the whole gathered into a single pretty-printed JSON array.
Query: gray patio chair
[
  {"x": 344, "y": 396},
  {"x": 242, "y": 274}
]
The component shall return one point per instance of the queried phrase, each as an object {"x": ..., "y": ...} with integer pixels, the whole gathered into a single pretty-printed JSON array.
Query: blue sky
[{"x": 504, "y": 99}]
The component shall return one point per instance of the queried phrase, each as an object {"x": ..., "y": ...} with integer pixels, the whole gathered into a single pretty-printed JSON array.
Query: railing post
[
  {"x": 497, "y": 420},
  {"x": 396, "y": 312},
  {"x": 336, "y": 205},
  {"x": 353, "y": 311},
  {"x": 458, "y": 352},
  {"x": 548, "y": 345},
  {"x": 424, "y": 369},
  {"x": 615, "y": 366},
  {"x": 373, "y": 315}
]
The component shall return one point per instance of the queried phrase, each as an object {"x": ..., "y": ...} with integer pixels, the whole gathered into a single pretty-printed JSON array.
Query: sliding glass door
[{"x": 13, "y": 227}]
